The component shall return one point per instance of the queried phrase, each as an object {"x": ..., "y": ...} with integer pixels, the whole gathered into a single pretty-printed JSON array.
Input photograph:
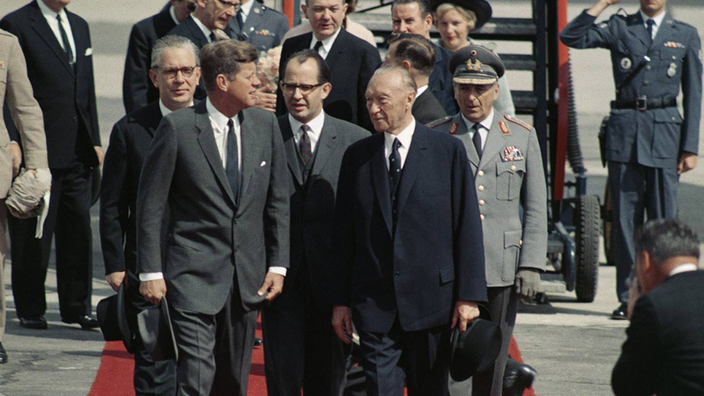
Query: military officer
[
  {"x": 648, "y": 143},
  {"x": 505, "y": 158},
  {"x": 259, "y": 25}
]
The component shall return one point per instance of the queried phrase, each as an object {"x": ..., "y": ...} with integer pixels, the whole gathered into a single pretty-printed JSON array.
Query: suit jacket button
[
  {"x": 397, "y": 274},
  {"x": 481, "y": 217},
  {"x": 480, "y": 188},
  {"x": 75, "y": 119},
  {"x": 481, "y": 202},
  {"x": 520, "y": 242},
  {"x": 513, "y": 168},
  {"x": 480, "y": 173}
]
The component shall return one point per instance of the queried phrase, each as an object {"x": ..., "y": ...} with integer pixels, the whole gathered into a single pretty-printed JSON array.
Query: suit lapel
[
  {"x": 413, "y": 165},
  {"x": 155, "y": 117},
  {"x": 251, "y": 139},
  {"x": 462, "y": 130},
  {"x": 196, "y": 32},
  {"x": 81, "y": 40},
  {"x": 665, "y": 31},
  {"x": 325, "y": 146},
  {"x": 206, "y": 139},
  {"x": 337, "y": 48},
  {"x": 494, "y": 141},
  {"x": 291, "y": 153},
  {"x": 40, "y": 25},
  {"x": 380, "y": 180},
  {"x": 637, "y": 28}
]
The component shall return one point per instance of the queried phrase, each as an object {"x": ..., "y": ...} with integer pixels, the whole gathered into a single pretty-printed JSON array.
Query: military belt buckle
[{"x": 642, "y": 103}]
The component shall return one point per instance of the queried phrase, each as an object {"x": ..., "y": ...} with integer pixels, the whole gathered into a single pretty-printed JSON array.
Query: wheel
[
  {"x": 587, "y": 239},
  {"x": 608, "y": 225}
]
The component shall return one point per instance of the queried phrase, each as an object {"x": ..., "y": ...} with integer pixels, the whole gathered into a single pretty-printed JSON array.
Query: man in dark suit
[
  {"x": 417, "y": 55},
  {"x": 221, "y": 167},
  {"x": 413, "y": 16},
  {"x": 259, "y": 25},
  {"x": 137, "y": 89},
  {"x": 664, "y": 352},
  {"x": 301, "y": 347},
  {"x": 351, "y": 60},
  {"x": 409, "y": 258},
  {"x": 648, "y": 143},
  {"x": 56, "y": 44},
  {"x": 207, "y": 24},
  {"x": 175, "y": 74}
]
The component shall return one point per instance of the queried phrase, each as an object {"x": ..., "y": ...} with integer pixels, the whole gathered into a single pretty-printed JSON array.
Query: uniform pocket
[
  {"x": 509, "y": 178},
  {"x": 512, "y": 252},
  {"x": 666, "y": 134},
  {"x": 447, "y": 274}
]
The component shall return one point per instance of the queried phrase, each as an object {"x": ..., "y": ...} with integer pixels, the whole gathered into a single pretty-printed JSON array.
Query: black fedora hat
[
  {"x": 481, "y": 8},
  {"x": 156, "y": 333},
  {"x": 112, "y": 318},
  {"x": 475, "y": 349}
]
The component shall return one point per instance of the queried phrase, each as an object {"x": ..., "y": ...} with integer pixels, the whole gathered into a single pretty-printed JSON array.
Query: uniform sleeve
[
  {"x": 534, "y": 202},
  {"x": 692, "y": 95},
  {"x": 635, "y": 372},
  {"x": 135, "y": 82},
  {"x": 25, "y": 110},
  {"x": 153, "y": 194},
  {"x": 277, "y": 211},
  {"x": 113, "y": 203},
  {"x": 583, "y": 33}
]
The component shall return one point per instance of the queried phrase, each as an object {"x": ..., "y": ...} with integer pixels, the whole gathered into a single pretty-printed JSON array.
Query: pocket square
[
  {"x": 89, "y": 52},
  {"x": 262, "y": 164}
]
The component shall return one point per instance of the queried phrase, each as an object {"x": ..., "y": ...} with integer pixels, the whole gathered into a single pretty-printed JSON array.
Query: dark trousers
[
  {"x": 421, "y": 357},
  {"x": 206, "y": 342},
  {"x": 150, "y": 378},
  {"x": 69, "y": 220},
  {"x": 637, "y": 190},
  {"x": 301, "y": 348}
]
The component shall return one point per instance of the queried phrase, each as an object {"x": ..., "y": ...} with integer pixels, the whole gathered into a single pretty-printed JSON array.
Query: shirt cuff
[
  {"x": 150, "y": 276},
  {"x": 278, "y": 270}
]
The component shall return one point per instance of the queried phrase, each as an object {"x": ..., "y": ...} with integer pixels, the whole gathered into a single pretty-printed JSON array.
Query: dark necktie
[
  {"x": 240, "y": 22},
  {"x": 317, "y": 46},
  {"x": 304, "y": 146},
  {"x": 64, "y": 38},
  {"x": 231, "y": 168},
  {"x": 477, "y": 140},
  {"x": 213, "y": 38},
  {"x": 394, "y": 166},
  {"x": 651, "y": 24}
]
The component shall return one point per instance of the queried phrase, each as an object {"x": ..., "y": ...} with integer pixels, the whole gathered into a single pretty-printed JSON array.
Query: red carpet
[{"x": 114, "y": 376}]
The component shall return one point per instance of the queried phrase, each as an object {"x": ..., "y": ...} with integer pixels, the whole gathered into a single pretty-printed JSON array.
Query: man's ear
[{"x": 152, "y": 76}]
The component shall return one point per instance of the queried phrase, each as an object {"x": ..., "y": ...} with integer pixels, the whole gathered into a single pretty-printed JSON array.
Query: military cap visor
[{"x": 475, "y": 64}]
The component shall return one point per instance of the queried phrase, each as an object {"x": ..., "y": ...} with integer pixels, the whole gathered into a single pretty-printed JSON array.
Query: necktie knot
[
  {"x": 651, "y": 24},
  {"x": 317, "y": 46}
]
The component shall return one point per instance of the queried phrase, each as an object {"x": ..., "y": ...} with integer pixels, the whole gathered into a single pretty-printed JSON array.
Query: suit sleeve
[
  {"x": 113, "y": 203},
  {"x": 370, "y": 62},
  {"x": 277, "y": 212},
  {"x": 583, "y": 33},
  {"x": 153, "y": 194},
  {"x": 533, "y": 199},
  {"x": 135, "y": 81},
  {"x": 692, "y": 94},
  {"x": 8, "y": 26},
  {"x": 25, "y": 110},
  {"x": 636, "y": 371},
  {"x": 468, "y": 236}
]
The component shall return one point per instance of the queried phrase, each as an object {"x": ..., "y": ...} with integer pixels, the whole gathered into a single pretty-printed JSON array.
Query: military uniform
[
  {"x": 264, "y": 28},
  {"x": 645, "y": 134},
  {"x": 510, "y": 187}
]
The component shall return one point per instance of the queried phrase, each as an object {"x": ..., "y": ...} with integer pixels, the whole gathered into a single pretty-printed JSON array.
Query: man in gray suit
[
  {"x": 505, "y": 158},
  {"x": 221, "y": 167},
  {"x": 301, "y": 347}
]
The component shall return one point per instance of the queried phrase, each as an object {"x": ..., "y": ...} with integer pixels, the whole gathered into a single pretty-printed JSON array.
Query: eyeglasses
[
  {"x": 304, "y": 88},
  {"x": 173, "y": 72},
  {"x": 227, "y": 4}
]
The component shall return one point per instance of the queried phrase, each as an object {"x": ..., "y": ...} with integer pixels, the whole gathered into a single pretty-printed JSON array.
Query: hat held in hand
[{"x": 475, "y": 349}]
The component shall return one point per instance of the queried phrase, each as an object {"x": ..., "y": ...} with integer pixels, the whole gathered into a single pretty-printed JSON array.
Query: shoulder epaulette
[
  {"x": 518, "y": 122},
  {"x": 438, "y": 122}
]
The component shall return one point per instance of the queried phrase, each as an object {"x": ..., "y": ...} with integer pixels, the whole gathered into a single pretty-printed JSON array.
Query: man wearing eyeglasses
[
  {"x": 175, "y": 73},
  {"x": 352, "y": 61},
  {"x": 301, "y": 347},
  {"x": 208, "y": 24}
]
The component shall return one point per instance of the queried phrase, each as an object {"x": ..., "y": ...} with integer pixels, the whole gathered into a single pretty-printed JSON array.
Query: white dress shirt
[
  {"x": 420, "y": 90},
  {"x": 327, "y": 44},
  {"x": 483, "y": 128},
  {"x": 246, "y": 8},
  {"x": 172, "y": 12},
  {"x": 316, "y": 128},
  {"x": 683, "y": 268},
  {"x": 658, "y": 21},
  {"x": 54, "y": 25},
  {"x": 218, "y": 122},
  {"x": 405, "y": 137}
]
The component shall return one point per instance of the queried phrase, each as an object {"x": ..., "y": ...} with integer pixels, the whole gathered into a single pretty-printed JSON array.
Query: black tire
[{"x": 587, "y": 239}]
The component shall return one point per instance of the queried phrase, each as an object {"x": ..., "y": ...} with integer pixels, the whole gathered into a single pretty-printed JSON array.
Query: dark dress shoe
[
  {"x": 620, "y": 312},
  {"x": 87, "y": 322},
  {"x": 3, "y": 354},
  {"x": 34, "y": 323},
  {"x": 258, "y": 341},
  {"x": 517, "y": 378}
]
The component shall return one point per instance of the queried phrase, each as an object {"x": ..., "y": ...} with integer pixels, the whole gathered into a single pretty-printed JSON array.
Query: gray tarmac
[{"x": 572, "y": 345}]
